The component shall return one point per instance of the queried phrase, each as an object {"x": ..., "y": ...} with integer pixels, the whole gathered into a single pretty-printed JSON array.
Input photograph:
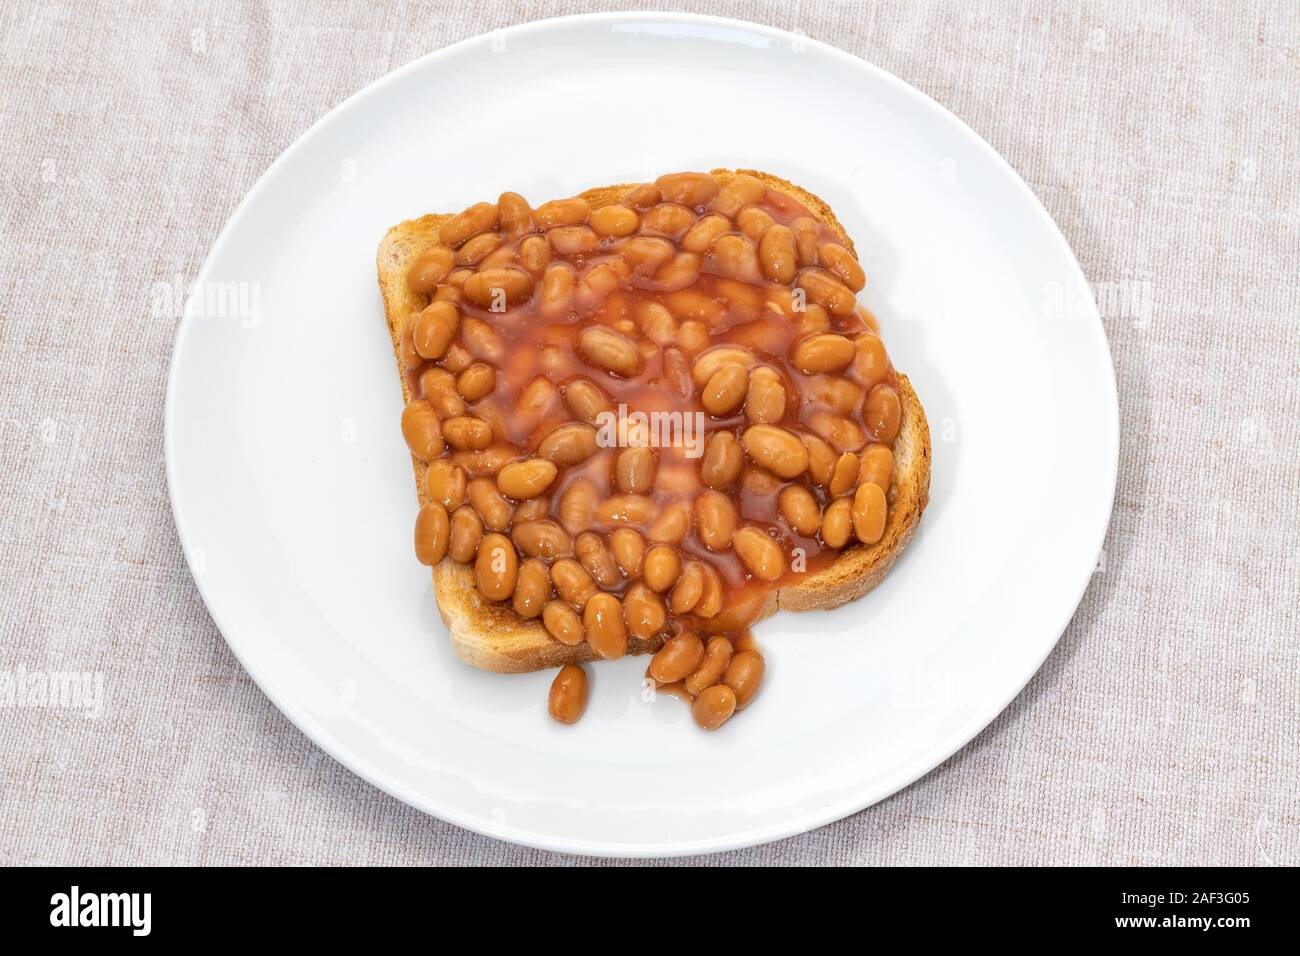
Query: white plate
[{"x": 293, "y": 493}]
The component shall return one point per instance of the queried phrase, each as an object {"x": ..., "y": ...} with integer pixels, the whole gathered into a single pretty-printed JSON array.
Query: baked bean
[
  {"x": 467, "y": 433},
  {"x": 577, "y": 506},
  {"x": 813, "y": 320},
  {"x": 491, "y": 506},
  {"x": 777, "y": 255},
  {"x": 753, "y": 221},
  {"x": 840, "y": 261},
  {"x": 432, "y": 530},
  {"x": 740, "y": 191},
  {"x": 536, "y": 399},
  {"x": 870, "y": 363},
  {"x": 667, "y": 219},
  {"x": 486, "y": 461},
  {"x": 438, "y": 386},
  {"x": 823, "y": 353},
  {"x": 678, "y": 657},
  {"x": 765, "y": 400},
  {"x": 498, "y": 289},
  {"x": 628, "y": 548},
  {"x": 658, "y": 324},
  {"x": 800, "y": 510},
  {"x": 821, "y": 460},
  {"x": 839, "y": 395},
  {"x": 569, "y": 444},
  {"x": 662, "y": 565},
  {"x": 563, "y": 623},
  {"x": 717, "y": 655},
  {"x": 466, "y": 533},
  {"x": 482, "y": 340},
  {"x": 672, "y": 524},
  {"x": 877, "y": 466},
  {"x": 572, "y": 582},
  {"x": 712, "y": 360},
  {"x": 533, "y": 589},
  {"x": 744, "y": 675},
  {"x": 584, "y": 398},
  {"x": 521, "y": 480},
  {"x": 602, "y": 619},
  {"x": 779, "y": 451},
  {"x": 615, "y": 220},
  {"x": 479, "y": 217},
  {"x": 706, "y": 231},
  {"x": 826, "y": 290},
  {"x": 837, "y": 523},
  {"x": 883, "y": 414},
  {"x": 534, "y": 255},
  {"x": 806, "y": 239},
  {"x": 514, "y": 215},
  {"x": 478, "y": 249},
  {"x": 759, "y": 483},
  {"x": 759, "y": 553},
  {"x": 678, "y": 272},
  {"x": 496, "y": 568},
  {"x": 435, "y": 328},
  {"x": 567, "y": 699},
  {"x": 457, "y": 358},
  {"x": 634, "y": 470},
  {"x": 689, "y": 588},
  {"x": 643, "y": 612},
  {"x": 844, "y": 434},
  {"x": 476, "y": 382},
  {"x": 607, "y": 350},
  {"x": 722, "y": 461},
  {"x": 869, "y": 513},
  {"x": 725, "y": 390},
  {"x": 429, "y": 269},
  {"x": 420, "y": 428},
  {"x": 557, "y": 291},
  {"x": 595, "y": 557},
  {"x": 645, "y": 254},
  {"x": 689, "y": 189},
  {"x": 629, "y": 509},
  {"x": 562, "y": 212},
  {"x": 573, "y": 240},
  {"x": 692, "y": 336},
  {"x": 406, "y": 353},
  {"x": 643, "y": 196},
  {"x": 692, "y": 305},
  {"x": 456, "y": 277},
  {"x": 737, "y": 257},
  {"x": 845, "y": 475},
  {"x": 445, "y": 483},
  {"x": 711, "y": 600},
  {"x": 715, "y": 520},
  {"x": 543, "y": 538},
  {"x": 714, "y": 706},
  {"x": 534, "y": 509}
]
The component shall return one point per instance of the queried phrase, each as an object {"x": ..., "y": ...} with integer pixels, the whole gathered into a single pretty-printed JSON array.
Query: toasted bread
[{"x": 490, "y": 635}]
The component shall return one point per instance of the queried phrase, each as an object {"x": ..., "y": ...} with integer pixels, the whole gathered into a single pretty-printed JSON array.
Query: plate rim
[{"x": 308, "y": 725}]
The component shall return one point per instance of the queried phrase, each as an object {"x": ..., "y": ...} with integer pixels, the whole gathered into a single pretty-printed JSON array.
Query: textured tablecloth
[{"x": 1164, "y": 138}]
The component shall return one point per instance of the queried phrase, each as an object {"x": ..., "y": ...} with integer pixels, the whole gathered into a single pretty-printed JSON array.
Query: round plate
[{"x": 293, "y": 491}]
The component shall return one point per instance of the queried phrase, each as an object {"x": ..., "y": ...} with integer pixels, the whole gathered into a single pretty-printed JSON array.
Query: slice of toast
[{"x": 490, "y": 635}]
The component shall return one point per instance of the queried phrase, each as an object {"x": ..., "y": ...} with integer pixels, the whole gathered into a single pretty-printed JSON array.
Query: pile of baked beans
[{"x": 724, "y": 302}]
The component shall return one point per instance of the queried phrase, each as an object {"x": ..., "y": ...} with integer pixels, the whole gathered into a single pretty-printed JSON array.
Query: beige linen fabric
[{"x": 1162, "y": 137}]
